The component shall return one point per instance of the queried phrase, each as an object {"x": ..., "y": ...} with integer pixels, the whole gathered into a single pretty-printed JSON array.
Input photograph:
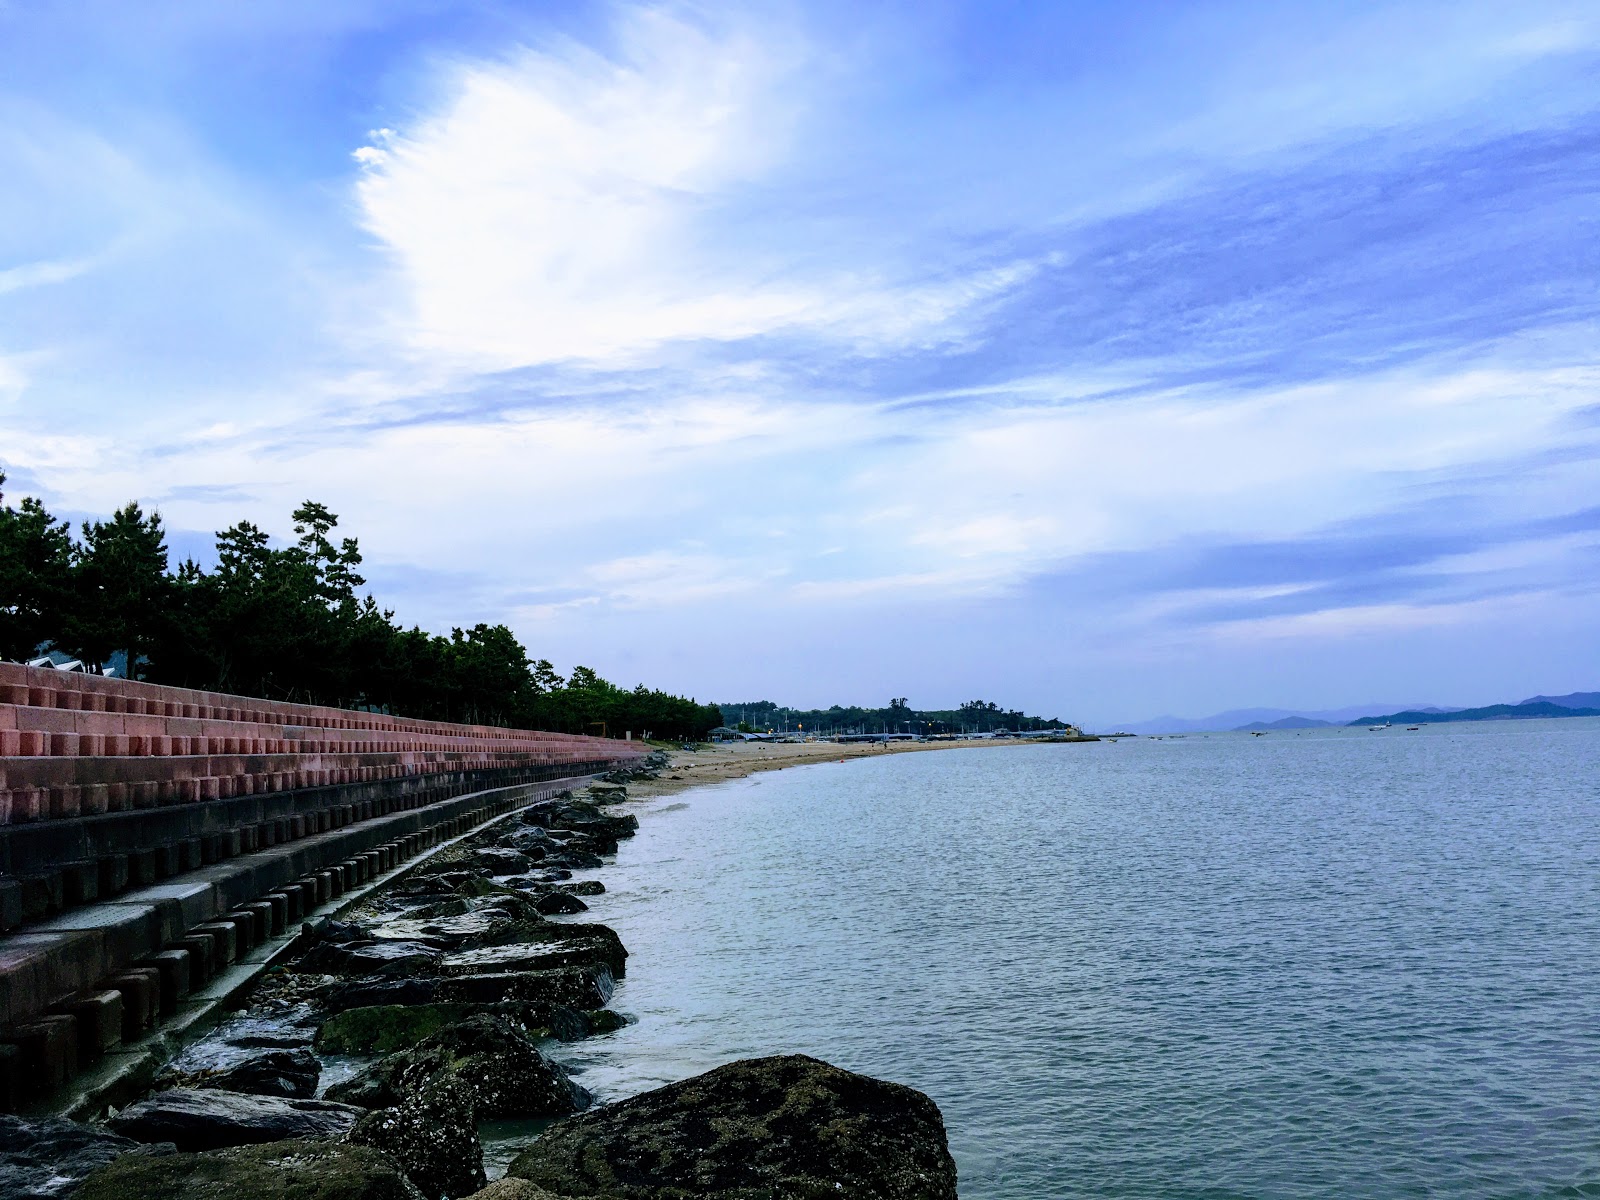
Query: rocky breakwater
[{"x": 360, "y": 1069}]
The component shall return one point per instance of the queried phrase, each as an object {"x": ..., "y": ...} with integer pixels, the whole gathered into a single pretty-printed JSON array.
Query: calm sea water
[{"x": 1328, "y": 964}]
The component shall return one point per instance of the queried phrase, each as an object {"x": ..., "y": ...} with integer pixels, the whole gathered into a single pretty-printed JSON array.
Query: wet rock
[
  {"x": 280, "y": 1072},
  {"x": 790, "y": 1126},
  {"x": 47, "y": 1159},
  {"x": 502, "y": 862},
  {"x": 193, "y": 1119},
  {"x": 600, "y": 942},
  {"x": 495, "y": 1060},
  {"x": 388, "y": 1028},
  {"x": 301, "y": 1169},
  {"x": 371, "y": 993},
  {"x": 512, "y": 1189},
  {"x": 553, "y": 903},
  {"x": 529, "y": 957},
  {"x": 574, "y": 987},
  {"x": 385, "y": 959},
  {"x": 432, "y": 1135}
]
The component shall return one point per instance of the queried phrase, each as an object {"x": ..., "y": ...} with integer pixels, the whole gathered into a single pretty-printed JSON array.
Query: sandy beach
[{"x": 733, "y": 760}]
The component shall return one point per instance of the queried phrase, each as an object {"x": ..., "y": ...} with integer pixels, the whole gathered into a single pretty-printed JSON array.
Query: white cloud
[{"x": 564, "y": 205}]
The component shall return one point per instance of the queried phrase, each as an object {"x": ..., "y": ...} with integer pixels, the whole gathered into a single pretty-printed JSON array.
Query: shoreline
[{"x": 722, "y": 761}]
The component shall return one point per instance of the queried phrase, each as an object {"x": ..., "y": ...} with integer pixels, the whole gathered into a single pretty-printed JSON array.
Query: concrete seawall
[{"x": 149, "y": 835}]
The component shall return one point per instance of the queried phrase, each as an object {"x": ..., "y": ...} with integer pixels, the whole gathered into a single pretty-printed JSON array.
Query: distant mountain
[
  {"x": 1236, "y": 717},
  {"x": 1285, "y": 723},
  {"x": 1570, "y": 700},
  {"x": 1491, "y": 712}
]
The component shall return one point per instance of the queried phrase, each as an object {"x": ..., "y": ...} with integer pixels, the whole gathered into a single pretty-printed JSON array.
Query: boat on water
[
  {"x": 1412, "y": 728},
  {"x": 1375, "y": 728}
]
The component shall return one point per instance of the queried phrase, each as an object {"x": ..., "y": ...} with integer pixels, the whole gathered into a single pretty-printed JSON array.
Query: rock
[
  {"x": 385, "y": 959},
  {"x": 496, "y": 1062},
  {"x": 571, "y": 987},
  {"x": 48, "y": 1158},
  {"x": 592, "y": 943},
  {"x": 369, "y": 993},
  {"x": 527, "y": 958},
  {"x": 560, "y": 902},
  {"x": 209, "y": 1120},
  {"x": 512, "y": 1189},
  {"x": 790, "y": 1127},
  {"x": 432, "y": 1135},
  {"x": 388, "y": 1028},
  {"x": 291, "y": 1073},
  {"x": 301, "y": 1169},
  {"x": 502, "y": 862}
]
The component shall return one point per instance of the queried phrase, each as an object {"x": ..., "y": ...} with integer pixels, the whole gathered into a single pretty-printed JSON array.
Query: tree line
[
  {"x": 286, "y": 622},
  {"x": 973, "y": 716}
]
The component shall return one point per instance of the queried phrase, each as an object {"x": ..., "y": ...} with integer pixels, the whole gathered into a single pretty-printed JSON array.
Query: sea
[{"x": 1332, "y": 963}]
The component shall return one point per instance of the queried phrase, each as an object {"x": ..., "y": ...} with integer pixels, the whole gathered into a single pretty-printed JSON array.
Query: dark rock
[
  {"x": 388, "y": 1028},
  {"x": 575, "y": 859},
  {"x": 340, "y": 933},
  {"x": 494, "y": 1059},
  {"x": 560, "y": 902},
  {"x": 584, "y": 887},
  {"x": 574, "y": 987},
  {"x": 301, "y": 1169},
  {"x": 599, "y": 942},
  {"x": 47, "y": 1158},
  {"x": 790, "y": 1127},
  {"x": 369, "y": 993},
  {"x": 209, "y": 1120},
  {"x": 385, "y": 959},
  {"x": 432, "y": 1135},
  {"x": 502, "y": 862},
  {"x": 512, "y": 1189},
  {"x": 292, "y": 1073}
]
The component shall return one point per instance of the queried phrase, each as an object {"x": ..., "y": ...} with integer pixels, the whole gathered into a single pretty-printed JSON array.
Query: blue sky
[{"x": 1106, "y": 359}]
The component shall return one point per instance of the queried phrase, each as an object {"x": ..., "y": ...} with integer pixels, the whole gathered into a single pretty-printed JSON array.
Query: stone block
[
  {"x": 140, "y": 989},
  {"x": 99, "y": 1018},
  {"x": 10, "y": 903},
  {"x": 42, "y": 895},
  {"x": 202, "y": 958},
  {"x": 80, "y": 882},
  {"x": 261, "y": 915},
  {"x": 144, "y": 867},
  {"x": 113, "y": 874},
  {"x": 48, "y": 1048},
  {"x": 12, "y": 1091},
  {"x": 173, "y": 969},
  {"x": 281, "y": 913},
  {"x": 225, "y": 941}
]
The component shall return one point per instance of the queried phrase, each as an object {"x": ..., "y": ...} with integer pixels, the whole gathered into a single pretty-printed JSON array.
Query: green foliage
[
  {"x": 288, "y": 623},
  {"x": 35, "y": 576},
  {"x": 974, "y": 716}
]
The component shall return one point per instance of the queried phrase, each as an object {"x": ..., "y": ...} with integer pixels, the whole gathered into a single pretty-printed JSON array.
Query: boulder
[
  {"x": 513, "y": 1189},
  {"x": 498, "y": 1065},
  {"x": 584, "y": 942},
  {"x": 552, "y": 903},
  {"x": 790, "y": 1127},
  {"x": 47, "y": 1159},
  {"x": 193, "y": 1119},
  {"x": 369, "y": 993},
  {"x": 387, "y": 1028},
  {"x": 432, "y": 1135},
  {"x": 300, "y": 1169},
  {"x": 281, "y": 1072},
  {"x": 502, "y": 862},
  {"x": 383, "y": 959}
]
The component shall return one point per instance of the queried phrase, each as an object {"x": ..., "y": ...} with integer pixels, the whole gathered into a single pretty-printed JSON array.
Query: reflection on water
[{"x": 1334, "y": 963}]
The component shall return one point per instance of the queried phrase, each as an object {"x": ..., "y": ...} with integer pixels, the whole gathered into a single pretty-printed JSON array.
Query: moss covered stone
[
  {"x": 385, "y": 1028},
  {"x": 786, "y": 1128},
  {"x": 300, "y": 1169}
]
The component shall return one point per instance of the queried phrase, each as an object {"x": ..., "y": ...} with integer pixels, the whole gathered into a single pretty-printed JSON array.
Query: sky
[{"x": 1101, "y": 359}]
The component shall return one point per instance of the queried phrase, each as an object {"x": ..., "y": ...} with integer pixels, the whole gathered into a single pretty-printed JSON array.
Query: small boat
[
  {"x": 1258, "y": 733},
  {"x": 1412, "y": 728}
]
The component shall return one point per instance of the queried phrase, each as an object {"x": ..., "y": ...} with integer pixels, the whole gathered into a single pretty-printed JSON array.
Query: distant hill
[
  {"x": 1570, "y": 700},
  {"x": 1285, "y": 723},
  {"x": 1236, "y": 717},
  {"x": 1492, "y": 712}
]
